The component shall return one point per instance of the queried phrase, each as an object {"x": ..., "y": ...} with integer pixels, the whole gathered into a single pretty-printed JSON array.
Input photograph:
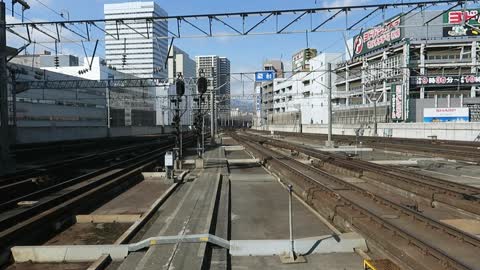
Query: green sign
[
  {"x": 461, "y": 23},
  {"x": 378, "y": 37}
]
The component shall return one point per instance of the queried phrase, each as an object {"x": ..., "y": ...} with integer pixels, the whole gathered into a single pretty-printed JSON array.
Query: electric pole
[
  {"x": 4, "y": 138},
  {"x": 329, "y": 81},
  {"x": 212, "y": 109}
]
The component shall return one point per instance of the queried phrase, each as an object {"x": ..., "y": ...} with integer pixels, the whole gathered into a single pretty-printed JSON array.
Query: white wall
[{"x": 443, "y": 131}]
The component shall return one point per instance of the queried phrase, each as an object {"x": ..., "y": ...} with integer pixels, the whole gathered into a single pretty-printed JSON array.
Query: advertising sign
[
  {"x": 445, "y": 80},
  {"x": 474, "y": 111},
  {"x": 436, "y": 115},
  {"x": 264, "y": 76},
  {"x": 461, "y": 23},
  {"x": 378, "y": 37},
  {"x": 398, "y": 101}
]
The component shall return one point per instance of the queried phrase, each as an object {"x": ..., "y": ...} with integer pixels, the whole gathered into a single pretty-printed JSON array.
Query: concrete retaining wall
[
  {"x": 52, "y": 133},
  {"x": 443, "y": 131}
]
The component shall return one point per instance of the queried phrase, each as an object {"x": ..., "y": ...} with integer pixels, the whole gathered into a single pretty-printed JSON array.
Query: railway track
[
  {"x": 464, "y": 151},
  {"x": 433, "y": 189},
  {"x": 411, "y": 239},
  {"x": 30, "y": 184},
  {"x": 78, "y": 157},
  {"x": 70, "y": 197}
]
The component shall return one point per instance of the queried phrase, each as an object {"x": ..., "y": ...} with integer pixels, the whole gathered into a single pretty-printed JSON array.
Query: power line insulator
[{"x": 124, "y": 60}]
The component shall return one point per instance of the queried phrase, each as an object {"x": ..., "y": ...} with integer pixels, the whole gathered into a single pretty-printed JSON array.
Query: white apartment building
[
  {"x": 217, "y": 70},
  {"x": 137, "y": 47},
  {"x": 225, "y": 85},
  {"x": 303, "y": 97}
]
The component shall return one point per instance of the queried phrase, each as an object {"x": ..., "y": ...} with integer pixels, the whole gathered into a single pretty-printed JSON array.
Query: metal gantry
[{"x": 215, "y": 24}]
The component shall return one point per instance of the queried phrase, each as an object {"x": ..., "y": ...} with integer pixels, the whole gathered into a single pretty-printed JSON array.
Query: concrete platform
[
  {"x": 187, "y": 211},
  {"x": 260, "y": 208},
  {"x": 136, "y": 200},
  {"x": 259, "y": 211}
]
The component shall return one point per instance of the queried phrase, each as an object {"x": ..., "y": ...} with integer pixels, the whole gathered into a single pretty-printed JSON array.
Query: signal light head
[{"x": 202, "y": 85}]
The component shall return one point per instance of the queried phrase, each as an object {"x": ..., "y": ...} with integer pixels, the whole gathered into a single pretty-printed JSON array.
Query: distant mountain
[{"x": 243, "y": 105}]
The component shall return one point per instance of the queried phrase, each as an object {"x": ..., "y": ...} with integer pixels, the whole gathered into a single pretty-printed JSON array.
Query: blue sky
[{"x": 247, "y": 52}]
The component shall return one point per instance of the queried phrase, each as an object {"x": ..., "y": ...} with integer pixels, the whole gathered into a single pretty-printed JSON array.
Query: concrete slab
[
  {"x": 261, "y": 177},
  {"x": 396, "y": 162},
  {"x": 48, "y": 266},
  {"x": 344, "y": 149},
  {"x": 259, "y": 208},
  {"x": 107, "y": 218},
  {"x": 58, "y": 254},
  {"x": 136, "y": 200},
  {"x": 89, "y": 234},
  {"x": 345, "y": 243},
  {"x": 243, "y": 161},
  {"x": 234, "y": 148},
  {"x": 338, "y": 261},
  {"x": 468, "y": 225},
  {"x": 185, "y": 212}
]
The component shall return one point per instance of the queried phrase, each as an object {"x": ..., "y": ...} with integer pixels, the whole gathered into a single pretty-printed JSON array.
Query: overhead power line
[{"x": 256, "y": 18}]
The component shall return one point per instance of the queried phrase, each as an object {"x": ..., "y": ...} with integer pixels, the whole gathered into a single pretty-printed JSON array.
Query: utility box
[
  {"x": 169, "y": 158},
  {"x": 169, "y": 162}
]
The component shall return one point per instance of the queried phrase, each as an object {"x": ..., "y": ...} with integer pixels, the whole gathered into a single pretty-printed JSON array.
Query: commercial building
[
  {"x": 56, "y": 107},
  {"x": 136, "y": 47},
  {"x": 276, "y": 66},
  {"x": 30, "y": 60},
  {"x": 129, "y": 106},
  {"x": 300, "y": 60},
  {"x": 401, "y": 69}
]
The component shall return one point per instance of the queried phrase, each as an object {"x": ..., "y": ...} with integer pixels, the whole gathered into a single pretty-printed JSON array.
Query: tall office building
[
  {"x": 217, "y": 70},
  {"x": 135, "y": 47},
  {"x": 208, "y": 66},
  {"x": 224, "y": 85}
]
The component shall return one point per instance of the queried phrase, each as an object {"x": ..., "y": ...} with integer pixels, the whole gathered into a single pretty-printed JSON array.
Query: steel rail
[
  {"x": 10, "y": 218},
  {"x": 446, "y": 230},
  {"x": 458, "y": 195},
  {"x": 43, "y": 169},
  {"x": 23, "y": 187},
  {"x": 468, "y": 152}
]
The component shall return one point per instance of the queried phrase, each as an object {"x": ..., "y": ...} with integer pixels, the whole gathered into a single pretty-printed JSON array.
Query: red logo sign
[{"x": 358, "y": 45}]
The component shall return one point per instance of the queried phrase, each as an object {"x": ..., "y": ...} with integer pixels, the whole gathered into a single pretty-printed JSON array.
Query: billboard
[
  {"x": 461, "y": 23},
  {"x": 437, "y": 115},
  {"x": 378, "y": 37},
  {"x": 445, "y": 80},
  {"x": 398, "y": 100}
]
